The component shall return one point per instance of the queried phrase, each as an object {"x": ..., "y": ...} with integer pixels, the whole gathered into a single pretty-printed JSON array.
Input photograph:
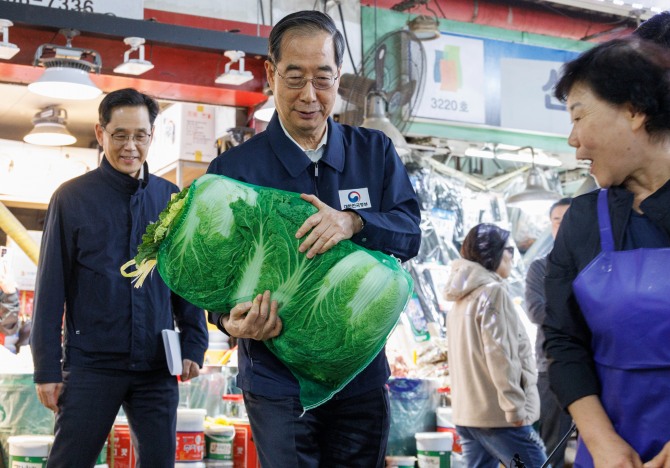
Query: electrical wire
[
  {"x": 261, "y": 10},
  {"x": 440, "y": 8}
]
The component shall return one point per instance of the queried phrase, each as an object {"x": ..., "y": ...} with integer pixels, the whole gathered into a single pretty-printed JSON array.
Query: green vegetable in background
[{"x": 222, "y": 242}]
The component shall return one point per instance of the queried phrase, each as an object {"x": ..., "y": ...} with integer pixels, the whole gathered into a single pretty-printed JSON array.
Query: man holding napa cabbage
[{"x": 361, "y": 191}]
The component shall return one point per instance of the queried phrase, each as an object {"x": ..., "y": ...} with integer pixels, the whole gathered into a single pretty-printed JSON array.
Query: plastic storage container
[
  {"x": 190, "y": 435},
  {"x": 121, "y": 453},
  {"x": 434, "y": 449},
  {"x": 219, "y": 442},
  {"x": 233, "y": 406},
  {"x": 445, "y": 424},
  {"x": 29, "y": 450}
]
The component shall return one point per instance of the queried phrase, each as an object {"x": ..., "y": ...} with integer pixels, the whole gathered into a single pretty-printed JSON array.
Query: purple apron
[{"x": 625, "y": 299}]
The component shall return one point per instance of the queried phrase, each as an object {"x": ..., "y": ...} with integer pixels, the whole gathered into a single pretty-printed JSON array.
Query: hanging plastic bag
[{"x": 222, "y": 242}]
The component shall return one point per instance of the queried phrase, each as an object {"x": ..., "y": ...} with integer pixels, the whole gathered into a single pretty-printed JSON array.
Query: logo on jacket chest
[{"x": 354, "y": 199}]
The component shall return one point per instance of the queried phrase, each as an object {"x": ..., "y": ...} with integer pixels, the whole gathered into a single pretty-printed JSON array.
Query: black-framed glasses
[
  {"x": 299, "y": 82},
  {"x": 510, "y": 250},
  {"x": 121, "y": 138}
]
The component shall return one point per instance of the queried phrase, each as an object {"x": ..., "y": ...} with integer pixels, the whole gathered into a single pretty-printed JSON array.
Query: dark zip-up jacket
[
  {"x": 94, "y": 225},
  {"x": 354, "y": 158}
]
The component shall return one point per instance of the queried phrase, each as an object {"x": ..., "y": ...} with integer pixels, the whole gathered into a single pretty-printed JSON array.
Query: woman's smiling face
[{"x": 602, "y": 133}]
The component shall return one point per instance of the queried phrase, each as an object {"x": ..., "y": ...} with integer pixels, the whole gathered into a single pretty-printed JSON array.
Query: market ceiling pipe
[
  {"x": 14, "y": 229},
  {"x": 536, "y": 17}
]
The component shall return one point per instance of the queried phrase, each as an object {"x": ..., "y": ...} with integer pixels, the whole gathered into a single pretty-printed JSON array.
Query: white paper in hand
[{"x": 172, "y": 351}]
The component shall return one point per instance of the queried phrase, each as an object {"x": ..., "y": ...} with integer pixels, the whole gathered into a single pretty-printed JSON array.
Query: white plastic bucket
[
  {"x": 29, "y": 450},
  {"x": 190, "y": 435},
  {"x": 219, "y": 442},
  {"x": 434, "y": 449},
  {"x": 445, "y": 424},
  {"x": 400, "y": 461},
  {"x": 199, "y": 464}
]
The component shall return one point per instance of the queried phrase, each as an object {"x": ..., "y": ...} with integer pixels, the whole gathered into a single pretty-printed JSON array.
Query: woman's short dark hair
[
  {"x": 305, "y": 22},
  {"x": 656, "y": 28},
  {"x": 625, "y": 71},
  {"x": 485, "y": 244},
  {"x": 126, "y": 97}
]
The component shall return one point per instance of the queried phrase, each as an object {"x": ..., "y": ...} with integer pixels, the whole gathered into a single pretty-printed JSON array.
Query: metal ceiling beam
[
  {"x": 113, "y": 26},
  {"x": 625, "y": 10}
]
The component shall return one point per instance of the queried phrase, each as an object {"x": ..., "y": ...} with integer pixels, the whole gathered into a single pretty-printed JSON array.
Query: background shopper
[
  {"x": 493, "y": 377},
  {"x": 555, "y": 422}
]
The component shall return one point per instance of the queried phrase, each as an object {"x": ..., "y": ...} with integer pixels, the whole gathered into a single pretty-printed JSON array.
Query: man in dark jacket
[
  {"x": 355, "y": 179},
  {"x": 111, "y": 354},
  {"x": 554, "y": 421}
]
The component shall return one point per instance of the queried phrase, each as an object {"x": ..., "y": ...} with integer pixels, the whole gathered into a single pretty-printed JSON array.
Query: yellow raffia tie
[{"x": 141, "y": 273}]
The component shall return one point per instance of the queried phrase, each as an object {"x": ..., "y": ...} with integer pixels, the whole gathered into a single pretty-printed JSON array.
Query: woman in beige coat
[{"x": 493, "y": 376}]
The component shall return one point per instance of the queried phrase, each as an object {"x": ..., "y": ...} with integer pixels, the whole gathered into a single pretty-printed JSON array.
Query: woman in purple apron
[{"x": 608, "y": 276}]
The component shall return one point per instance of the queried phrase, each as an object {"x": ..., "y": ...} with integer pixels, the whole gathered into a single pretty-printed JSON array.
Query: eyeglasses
[
  {"x": 299, "y": 82},
  {"x": 510, "y": 250},
  {"x": 120, "y": 138}
]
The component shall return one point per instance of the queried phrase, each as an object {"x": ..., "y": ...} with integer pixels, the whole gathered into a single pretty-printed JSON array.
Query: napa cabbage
[{"x": 222, "y": 242}]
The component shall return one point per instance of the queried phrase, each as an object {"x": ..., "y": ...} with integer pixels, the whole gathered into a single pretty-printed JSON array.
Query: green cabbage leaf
[{"x": 222, "y": 242}]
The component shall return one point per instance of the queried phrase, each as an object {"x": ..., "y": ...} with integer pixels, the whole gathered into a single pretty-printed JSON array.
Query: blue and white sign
[
  {"x": 526, "y": 96},
  {"x": 495, "y": 83}
]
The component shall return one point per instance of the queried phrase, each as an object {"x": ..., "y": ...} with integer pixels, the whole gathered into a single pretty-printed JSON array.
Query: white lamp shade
[
  {"x": 65, "y": 83},
  {"x": 425, "y": 28},
  {"x": 376, "y": 119},
  {"x": 134, "y": 67},
  {"x": 264, "y": 114},
  {"x": 535, "y": 198},
  {"x": 49, "y": 134}
]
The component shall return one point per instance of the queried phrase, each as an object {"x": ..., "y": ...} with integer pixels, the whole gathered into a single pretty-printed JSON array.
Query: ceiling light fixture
[
  {"x": 485, "y": 152},
  {"x": 134, "y": 66},
  {"x": 66, "y": 74},
  {"x": 502, "y": 152},
  {"x": 536, "y": 197},
  {"x": 375, "y": 117},
  {"x": 7, "y": 49},
  {"x": 425, "y": 28},
  {"x": 407, "y": 4},
  {"x": 234, "y": 77},
  {"x": 527, "y": 155},
  {"x": 49, "y": 128}
]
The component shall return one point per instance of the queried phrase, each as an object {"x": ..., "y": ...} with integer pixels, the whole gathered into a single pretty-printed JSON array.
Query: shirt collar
[
  {"x": 122, "y": 181},
  {"x": 294, "y": 159},
  {"x": 313, "y": 154}
]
